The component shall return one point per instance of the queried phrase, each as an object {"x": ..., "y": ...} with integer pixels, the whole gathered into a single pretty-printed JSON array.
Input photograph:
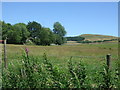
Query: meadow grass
[
  {"x": 92, "y": 56},
  {"x": 66, "y": 50}
]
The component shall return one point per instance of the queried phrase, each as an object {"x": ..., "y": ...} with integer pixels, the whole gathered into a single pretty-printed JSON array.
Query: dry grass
[
  {"x": 95, "y": 37},
  {"x": 65, "y": 50}
]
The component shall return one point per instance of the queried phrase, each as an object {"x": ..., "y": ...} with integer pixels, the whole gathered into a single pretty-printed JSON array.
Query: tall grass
[{"x": 31, "y": 73}]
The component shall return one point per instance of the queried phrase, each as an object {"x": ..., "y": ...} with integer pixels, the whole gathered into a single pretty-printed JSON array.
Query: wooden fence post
[
  {"x": 108, "y": 57},
  {"x": 5, "y": 54}
]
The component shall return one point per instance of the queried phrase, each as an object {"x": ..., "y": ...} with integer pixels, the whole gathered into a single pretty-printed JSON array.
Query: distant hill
[{"x": 96, "y": 37}]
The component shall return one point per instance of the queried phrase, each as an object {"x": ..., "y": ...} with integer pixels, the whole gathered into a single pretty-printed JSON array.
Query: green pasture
[{"x": 92, "y": 54}]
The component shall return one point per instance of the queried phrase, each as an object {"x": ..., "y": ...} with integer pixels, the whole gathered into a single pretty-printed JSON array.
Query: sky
[
  {"x": 77, "y": 17},
  {"x": 60, "y": 0}
]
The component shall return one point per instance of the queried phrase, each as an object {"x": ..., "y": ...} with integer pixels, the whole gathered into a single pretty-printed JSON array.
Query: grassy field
[
  {"x": 93, "y": 56},
  {"x": 100, "y": 49},
  {"x": 91, "y": 53}
]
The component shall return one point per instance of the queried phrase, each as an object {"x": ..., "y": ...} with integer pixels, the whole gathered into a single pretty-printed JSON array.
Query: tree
[
  {"x": 58, "y": 40},
  {"x": 6, "y": 28},
  {"x": 24, "y": 33},
  {"x": 59, "y": 32},
  {"x": 0, "y": 30},
  {"x": 46, "y": 36},
  {"x": 34, "y": 28},
  {"x": 59, "y": 29},
  {"x": 34, "y": 32},
  {"x": 14, "y": 36},
  {"x": 18, "y": 34}
]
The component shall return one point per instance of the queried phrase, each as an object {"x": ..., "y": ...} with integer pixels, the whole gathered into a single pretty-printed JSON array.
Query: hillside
[{"x": 95, "y": 37}]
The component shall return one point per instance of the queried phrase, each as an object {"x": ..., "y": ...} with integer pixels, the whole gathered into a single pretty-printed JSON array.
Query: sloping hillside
[{"x": 95, "y": 37}]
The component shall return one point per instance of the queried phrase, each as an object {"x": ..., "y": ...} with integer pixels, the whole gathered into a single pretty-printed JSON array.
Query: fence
[{"x": 5, "y": 52}]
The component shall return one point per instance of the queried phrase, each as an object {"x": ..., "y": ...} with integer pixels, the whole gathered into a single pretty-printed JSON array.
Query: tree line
[
  {"x": 33, "y": 33},
  {"x": 76, "y": 38}
]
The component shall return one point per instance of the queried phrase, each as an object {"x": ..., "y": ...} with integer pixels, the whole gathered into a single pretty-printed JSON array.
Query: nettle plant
[
  {"x": 77, "y": 75},
  {"x": 110, "y": 77},
  {"x": 55, "y": 77}
]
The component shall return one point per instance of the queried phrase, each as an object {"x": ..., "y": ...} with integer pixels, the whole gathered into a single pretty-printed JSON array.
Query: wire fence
[
  {"x": 102, "y": 57},
  {"x": 74, "y": 57}
]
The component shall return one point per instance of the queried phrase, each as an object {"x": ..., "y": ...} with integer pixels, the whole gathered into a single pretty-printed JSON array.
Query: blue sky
[{"x": 77, "y": 17}]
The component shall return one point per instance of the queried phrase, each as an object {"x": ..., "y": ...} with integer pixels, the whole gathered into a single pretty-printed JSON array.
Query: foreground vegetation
[
  {"x": 67, "y": 66},
  {"x": 31, "y": 73}
]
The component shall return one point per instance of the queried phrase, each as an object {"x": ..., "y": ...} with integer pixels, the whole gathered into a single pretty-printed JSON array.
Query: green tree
[
  {"x": 59, "y": 32},
  {"x": 0, "y": 30},
  {"x": 6, "y": 28},
  {"x": 14, "y": 36},
  {"x": 46, "y": 36},
  {"x": 18, "y": 34},
  {"x": 58, "y": 40},
  {"x": 34, "y": 28},
  {"x": 21, "y": 27},
  {"x": 40, "y": 35}
]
